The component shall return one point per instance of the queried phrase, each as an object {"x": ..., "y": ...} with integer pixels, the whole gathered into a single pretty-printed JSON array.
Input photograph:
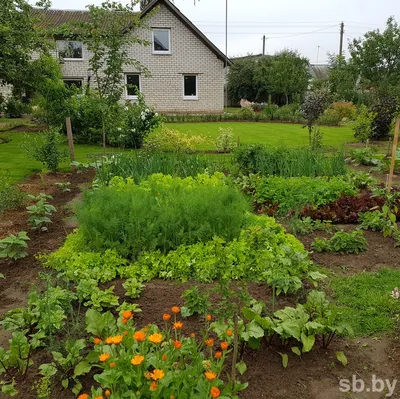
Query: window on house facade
[
  {"x": 132, "y": 82},
  {"x": 69, "y": 50},
  {"x": 73, "y": 82},
  {"x": 162, "y": 41},
  {"x": 190, "y": 87}
]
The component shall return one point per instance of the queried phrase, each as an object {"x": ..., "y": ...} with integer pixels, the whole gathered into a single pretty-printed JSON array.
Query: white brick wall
[{"x": 164, "y": 89}]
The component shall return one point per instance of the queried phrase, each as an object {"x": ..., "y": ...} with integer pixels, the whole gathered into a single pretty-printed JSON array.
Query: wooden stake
[
  {"x": 70, "y": 142},
  {"x": 238, "y": 141},
  {"x": 394, "y": 150}
]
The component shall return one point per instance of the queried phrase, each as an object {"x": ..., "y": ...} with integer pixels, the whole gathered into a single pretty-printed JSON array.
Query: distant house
[{"x": 187, "y": 69}]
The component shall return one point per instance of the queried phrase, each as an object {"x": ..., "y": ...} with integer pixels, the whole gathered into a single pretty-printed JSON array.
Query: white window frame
[
  {"x": 169, "y": 41},
  {"x": 82, "y": 80},
  {"x": 196, "y": 97},
  {"x": 69, "y": 59},
  {"x": 127, "y": 96}
]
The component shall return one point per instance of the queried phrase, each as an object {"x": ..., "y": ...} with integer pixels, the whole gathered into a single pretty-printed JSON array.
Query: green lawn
[
  {"x": 14, "y": 159},
  {"x": 273, "y": 134}
]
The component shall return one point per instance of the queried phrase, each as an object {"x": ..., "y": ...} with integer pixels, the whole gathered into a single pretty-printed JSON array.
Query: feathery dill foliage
[
  {"x": 161, "y": 213},
  {"x": 140, "y": 165},
  {"x": 289, "y": 162}
]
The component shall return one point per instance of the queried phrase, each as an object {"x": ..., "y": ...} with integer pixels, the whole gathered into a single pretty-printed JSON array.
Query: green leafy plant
[
  {"x": 10, "y": 196},
  {"x": 13, "y": 247},
  {"x": 225, "y": 143},
  {"x": 363, "y": 127},
  {"x": 343, "y": 242},
  {"x": 365, "y": 156},
  {"x": 69, "y": 366},
  {"x": 160, "y": 213},
  {"x": 91, "y": 295},
  {"x": 40, "y": 214},
  {"x": 64, "y": 186},
  {"x": 45, "y": 148},
  {"x": 14, "y": 361},
  {"x": 307, "y": 225},
  {"x": 196, "y": 302},
  {"x": 133, "y": 288}
]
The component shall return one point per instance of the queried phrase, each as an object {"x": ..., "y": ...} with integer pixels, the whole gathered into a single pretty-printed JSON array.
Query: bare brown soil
[{"x": 313, "y": 376}]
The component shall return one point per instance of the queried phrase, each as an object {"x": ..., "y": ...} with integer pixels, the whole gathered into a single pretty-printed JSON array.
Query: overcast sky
[{"x": 285, "y": 23}]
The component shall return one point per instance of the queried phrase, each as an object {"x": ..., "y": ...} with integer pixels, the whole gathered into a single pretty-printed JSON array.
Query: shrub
[
  {"x": 384, "y": 108},
  {"x": 10, "y": 195},
  {"x": 345, "y": 109},
  {"x": 348, "y": 243},
  {"x": 160, "y": 213},
  {"x": 225, "y": 142},
  {"x": 138, "y": 121},
  {"x": 246, "y": 113},
  {"x": 363, "y": 127},
  {"x": 288, "y": 194},
  {"x": 270, "y": 110},
  {"x": 288, "y": 162},
  {"x": 172, "y": 140},
  {"x": 15, "y": 108},
  {"x": 330, "y": 117},
  {"x": 288, "y": 113},
  {"x": 45, "y": 148}
]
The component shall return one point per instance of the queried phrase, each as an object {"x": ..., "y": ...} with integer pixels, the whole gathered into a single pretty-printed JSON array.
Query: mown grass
[
  {"x": 273, "y": 134},
  {"x": 14, "y": 158},
  {"x": 365, "y": 301}
]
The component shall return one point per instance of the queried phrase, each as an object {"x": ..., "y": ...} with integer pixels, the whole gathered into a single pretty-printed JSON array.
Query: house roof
[{"x": 52, "y": 18}]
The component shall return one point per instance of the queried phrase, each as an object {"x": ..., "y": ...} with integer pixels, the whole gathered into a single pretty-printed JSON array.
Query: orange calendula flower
[
  {"x": 155, "y": 338},
  {"x": 83, "y": 396},
  {"x": 210, "y": 375},
  {"x": 192, "y": 335},
  {"x": 224, "y": 345},
  {"x": 229, "y": 333},
  {"x": 139, "y": 336},
  {"x": 97, "y": 341},
  {"x": 218, "y": 355},
  {"x": 166, "y": 316},
  {"x": 109, "y": 340},
  {"x": 124, "y": 321},
  {"x": 178, "y": 325},
  {"x": 157, "y": 374},
  {"x": 112, "y": 365},
  {"x": 137, "y": 360},
  {"x": 164, "y": 357},
  {"x": 215, "y": 392},
  {"x": 178, "y": 344},
  {"x": 175, "y": 309},
  {"x": 104, "y": 357},
  {"x": 147, "y": 375},
  {"x": 153, "y": 386},
  {"x": 98, "y": 397},
  {"x": 209, "y": 342},
  {"x": 127, "y": 314},
  {"x": 107, "y": 392},
  {"x": 208, "y": 317},
  {"x": 117, "y": 339},
  {"x": 125, "y": 332}
]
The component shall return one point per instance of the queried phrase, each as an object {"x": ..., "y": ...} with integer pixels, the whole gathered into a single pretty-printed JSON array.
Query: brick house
[{"x": 187, "y": 70}]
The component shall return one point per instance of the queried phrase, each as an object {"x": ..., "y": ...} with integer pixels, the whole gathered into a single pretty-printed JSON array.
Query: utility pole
[
  {"x": 263, "y": 45},
  {"x": 226, "y": 53},
  {"x": 341, "y": 40},
  {"x": 318, "y": 54}
]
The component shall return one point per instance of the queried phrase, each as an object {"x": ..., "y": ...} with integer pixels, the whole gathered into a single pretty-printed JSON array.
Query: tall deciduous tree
[
  {"x": 377, "y": 55},
  {"x": 18, "y": 39},
  {"x": 110, "y": 31},
  {"x": 289, "y": 74}
]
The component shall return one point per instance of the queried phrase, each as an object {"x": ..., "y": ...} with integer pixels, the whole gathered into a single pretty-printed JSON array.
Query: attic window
[
  {"x": 69, "y": 50},
  {"x": 162, "y": 41}
]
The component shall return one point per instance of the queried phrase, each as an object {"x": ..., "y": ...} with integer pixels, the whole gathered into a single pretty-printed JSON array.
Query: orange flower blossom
[
  {"x": 209, "y": 342},
  {"x": 218, "y": 355},
  {"x": 175, "y": 309},
  {"x": 224, "y": 345},
  {"x": 210, "y": 375},
  {"x": 137, "y": 360},
  {"x": 166, "y": 316},
  {"x": 139, "y": 336},
  {"x": 104, "y": 357},
  {"x": 156, "y": 338},
  {"x": 153, "y": 386},
  {"x": 157, "y": 374},
  {"x": 178, "y": 325},
  {"x": 178, "y": 344},
  {"x": 97, "y": 341},
  {"x": 215, "y": 392}
]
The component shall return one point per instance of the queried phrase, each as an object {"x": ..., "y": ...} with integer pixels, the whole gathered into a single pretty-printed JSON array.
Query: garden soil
[{"x": 315, "y": 375}]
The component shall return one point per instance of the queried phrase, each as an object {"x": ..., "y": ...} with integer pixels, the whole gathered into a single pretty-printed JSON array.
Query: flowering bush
[
  {"x": 153, "y": 362},
  {"x": 138, "y": 121}
]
